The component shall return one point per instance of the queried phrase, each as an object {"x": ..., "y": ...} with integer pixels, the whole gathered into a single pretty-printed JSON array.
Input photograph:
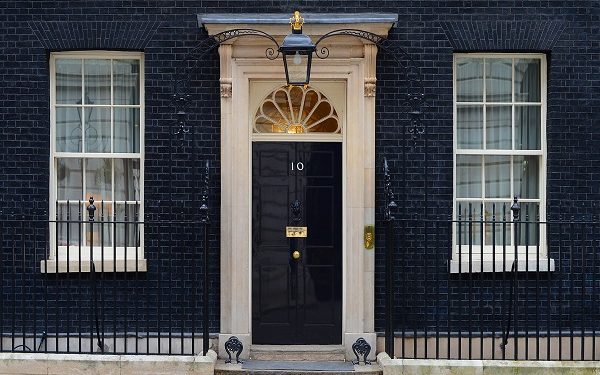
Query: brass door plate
[
  {"x": 296, "y": 231},
  {"x": 369, "y": 237}
]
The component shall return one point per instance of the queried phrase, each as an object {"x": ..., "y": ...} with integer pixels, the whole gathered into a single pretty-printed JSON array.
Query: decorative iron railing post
[
  {"x": 512, "y": 296},
  {"x": 516, "y": 211},
  {"x": 205, "y": 294},
  {"x": 91, "y": 211},
  {"x": 389, "y": 208}
]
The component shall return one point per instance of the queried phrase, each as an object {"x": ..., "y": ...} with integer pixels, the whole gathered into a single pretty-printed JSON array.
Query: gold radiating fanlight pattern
[{"x": 296, "y": 110}]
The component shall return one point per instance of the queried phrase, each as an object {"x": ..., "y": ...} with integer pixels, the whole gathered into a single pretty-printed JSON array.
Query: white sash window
[
  {"x": 499, "y": 153},
  {"x": 97, "y": 143}
]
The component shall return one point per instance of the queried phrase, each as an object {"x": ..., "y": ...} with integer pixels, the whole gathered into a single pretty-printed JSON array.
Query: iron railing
[
  {"x": 98, "y": 282},
  {"x": 492, "y": 281}
]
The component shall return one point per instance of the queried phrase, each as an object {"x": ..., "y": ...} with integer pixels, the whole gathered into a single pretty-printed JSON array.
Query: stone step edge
[{"x": 221, "y": 368}]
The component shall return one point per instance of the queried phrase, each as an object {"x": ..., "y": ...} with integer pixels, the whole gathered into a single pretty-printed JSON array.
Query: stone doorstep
[
  {"x": 485, "y": 367},
  {"x": 222, "y": 368},
  {"x": 101, "y": 364},
  {"x": 298, "y": 352}
]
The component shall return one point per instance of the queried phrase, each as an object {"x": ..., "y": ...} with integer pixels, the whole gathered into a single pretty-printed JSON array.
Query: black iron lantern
[{"x": 297, "y": 50}]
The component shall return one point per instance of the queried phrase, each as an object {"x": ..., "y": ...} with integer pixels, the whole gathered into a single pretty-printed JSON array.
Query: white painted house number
[{"x": 299, "y": 166}]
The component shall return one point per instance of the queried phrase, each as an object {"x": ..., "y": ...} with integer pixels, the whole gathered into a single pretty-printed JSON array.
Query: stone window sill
[
  {"x": 108, "y": 265},
  {"x": 499, "y": 265}
]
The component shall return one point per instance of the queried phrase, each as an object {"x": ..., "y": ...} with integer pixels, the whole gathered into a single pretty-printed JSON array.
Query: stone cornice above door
[{"x": 316, "y": 25}]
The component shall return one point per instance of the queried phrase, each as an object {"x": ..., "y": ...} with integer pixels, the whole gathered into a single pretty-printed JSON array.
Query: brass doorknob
[{"x": 296, "y": 255}]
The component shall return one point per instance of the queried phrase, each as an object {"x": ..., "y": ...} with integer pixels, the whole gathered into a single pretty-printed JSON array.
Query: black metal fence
[
  {"x": 94, "y": 282},
  {"x": 492, "y": 281}
]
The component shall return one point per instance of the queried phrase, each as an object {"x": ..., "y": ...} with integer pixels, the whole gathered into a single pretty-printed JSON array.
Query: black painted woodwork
[{"x": 297, "y": 301}]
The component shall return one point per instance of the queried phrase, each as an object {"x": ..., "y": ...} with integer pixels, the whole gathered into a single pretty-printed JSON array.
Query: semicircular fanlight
[{"x": 295, "y": 109}]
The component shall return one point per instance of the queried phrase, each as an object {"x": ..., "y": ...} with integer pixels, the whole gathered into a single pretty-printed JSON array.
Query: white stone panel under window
[
  {"x": 499, "y": 154},
  {"x": 96, "y": 151}
]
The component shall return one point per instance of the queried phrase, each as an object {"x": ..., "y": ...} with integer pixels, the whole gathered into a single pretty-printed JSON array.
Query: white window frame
[
  {"x": 113, "y": 258},
  {"x": 462, "y": 261}
]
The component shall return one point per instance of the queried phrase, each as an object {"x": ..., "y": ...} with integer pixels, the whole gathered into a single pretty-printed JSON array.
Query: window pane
[
  {"x": 497, "y": 176},
  {"x": 97, "y": 129},
  {"x": 527, "y": 127},
  {"x": 529, "y": 229},
  {"x": 68, "y": 129},
  {"x": 498, "y": 80},
  {"x": 469, "y": 123},
  {"x": 469, "y": 80},
  {"x": 97, "y": 81},
  {"x": 499, "y": 127},
  {"x": 68, "y": 228},
  {"x": 497, "y": 227},
  {"x": 526, "y": 175},
  {"x": 69, "y": 179},
  {"x": 98, "y": 179},
  {"x": 127, "y": 179},
  {"x": 126, "y": 81},
  {"x": 468, "y": 176},
  {"x": 127, "y": 228},
  {"x": 127, "y": 130},
  {"x": 468, "y": 228},
  {"x": 527, "y": 80},
  {"x": 68, "y": 81},
  {"x": 102, "y": 230}
]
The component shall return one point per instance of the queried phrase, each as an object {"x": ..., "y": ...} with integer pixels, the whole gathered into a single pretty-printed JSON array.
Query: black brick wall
[{"x": 430, "y": 31}]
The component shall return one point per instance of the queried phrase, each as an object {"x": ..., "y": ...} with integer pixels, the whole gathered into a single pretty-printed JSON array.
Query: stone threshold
[{"x": 102, "y": 364}]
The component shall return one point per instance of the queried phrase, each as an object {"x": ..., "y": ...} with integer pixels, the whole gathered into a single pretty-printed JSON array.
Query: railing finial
[
  {"x": 91, "y": 208},
  {"x": 516, "y": 208}
]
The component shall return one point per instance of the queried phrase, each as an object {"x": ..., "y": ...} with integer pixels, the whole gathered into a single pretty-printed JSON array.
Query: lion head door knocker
[{"x": 296, "y": 208}]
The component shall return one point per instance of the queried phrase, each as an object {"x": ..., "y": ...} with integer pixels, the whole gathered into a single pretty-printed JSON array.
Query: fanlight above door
[{"x": 294, "y": 110}]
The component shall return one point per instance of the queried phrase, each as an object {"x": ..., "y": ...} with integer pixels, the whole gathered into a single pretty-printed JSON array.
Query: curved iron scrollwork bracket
[
  {"x": 415, "y": 99},
  {"x": 181, "y": 89},
  {"x": 204, "y": 198},
  {"x": 233, "y": 345},
  {"x": 390, "y": 205},
  {"x": 361, "y": 348}
]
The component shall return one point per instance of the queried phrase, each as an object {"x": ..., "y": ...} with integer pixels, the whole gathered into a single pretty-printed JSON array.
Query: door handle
[{"x": 296, "y": 255}]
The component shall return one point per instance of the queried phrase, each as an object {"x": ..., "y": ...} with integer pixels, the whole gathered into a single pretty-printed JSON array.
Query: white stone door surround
[{"x": 352, "y": 61}]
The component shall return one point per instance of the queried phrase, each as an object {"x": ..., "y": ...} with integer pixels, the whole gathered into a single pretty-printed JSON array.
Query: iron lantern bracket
[{"x": 414, "y": 99}]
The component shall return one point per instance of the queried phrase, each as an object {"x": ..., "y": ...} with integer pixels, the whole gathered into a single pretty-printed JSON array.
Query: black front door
[{"x": 296, "y": 298}]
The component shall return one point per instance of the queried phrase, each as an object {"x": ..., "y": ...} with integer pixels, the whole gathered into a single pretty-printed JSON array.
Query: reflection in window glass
[
  {"x": 468, "y": 176},
  {"x": 469, "y": 123},
  {"x": 499, "y": 127},
  {"x": 97, "y": 81},
  {"x": 527, "y": 80},
  {"x": 469, "y": 80},
  {"x": 68, "y": 81},
  {"x": 68, "y": 129},
  {"x": 498, "y": 82},
  {"x": 528, "y": 127},
  {"x": 69, "y": 179},
  {"x": 497, "y": 176},
  {"x": 126, "y": 81}
]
